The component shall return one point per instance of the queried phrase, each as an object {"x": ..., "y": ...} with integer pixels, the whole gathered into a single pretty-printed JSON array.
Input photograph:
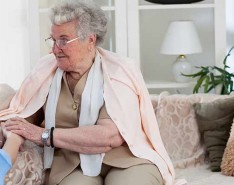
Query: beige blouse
[{"x": 67, "y": 116}]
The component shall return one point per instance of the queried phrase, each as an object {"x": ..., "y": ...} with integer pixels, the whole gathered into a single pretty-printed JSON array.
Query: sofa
[{"x": 179, "y": 118}]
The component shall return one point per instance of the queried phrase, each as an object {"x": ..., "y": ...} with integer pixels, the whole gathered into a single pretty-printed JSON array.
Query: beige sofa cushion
[
  {"x": 179, "y": 128},
  {"x": 28, "y": 167}
]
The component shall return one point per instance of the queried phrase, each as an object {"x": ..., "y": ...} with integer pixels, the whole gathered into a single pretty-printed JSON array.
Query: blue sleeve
[{"x": 5, "y": 162}]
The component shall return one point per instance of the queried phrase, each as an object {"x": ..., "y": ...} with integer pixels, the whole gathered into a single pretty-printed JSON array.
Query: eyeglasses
[{"x": 60, "y": 43}]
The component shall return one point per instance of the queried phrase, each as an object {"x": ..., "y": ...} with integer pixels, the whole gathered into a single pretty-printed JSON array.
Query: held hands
[
  {"x": 6, "y": 133},
  {"x": 22, "y": 127},
  {"x": 10, "y": 135}
]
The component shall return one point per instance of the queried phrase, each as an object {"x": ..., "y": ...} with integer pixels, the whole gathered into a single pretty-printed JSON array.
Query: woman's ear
[{"x": 92, "y": 40}]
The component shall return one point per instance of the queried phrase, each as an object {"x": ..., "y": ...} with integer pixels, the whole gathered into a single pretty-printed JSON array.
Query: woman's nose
[{"x": 56, "y": 49}]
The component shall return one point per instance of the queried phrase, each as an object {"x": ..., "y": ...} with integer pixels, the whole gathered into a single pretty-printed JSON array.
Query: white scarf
[{"x": 91, "y": 102}]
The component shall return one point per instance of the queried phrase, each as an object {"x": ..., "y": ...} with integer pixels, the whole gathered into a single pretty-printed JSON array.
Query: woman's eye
[{"x": 64, "y": 42}]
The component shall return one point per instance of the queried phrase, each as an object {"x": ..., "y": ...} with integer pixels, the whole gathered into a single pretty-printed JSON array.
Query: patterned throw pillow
[
  {"x": 227, "y": 164},
  {"x": 28, "y": 167},
  {"x": 179, "y": 130}
]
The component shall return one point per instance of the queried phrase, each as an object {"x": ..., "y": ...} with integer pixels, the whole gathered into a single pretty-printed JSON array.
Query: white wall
[
  {"x": 14, "y": 46},
  {"x": 230, "y": 31}
]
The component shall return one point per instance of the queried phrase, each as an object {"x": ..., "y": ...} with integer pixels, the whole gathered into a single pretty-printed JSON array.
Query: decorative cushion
[
  {"x": 28, "y": 167},
  {"x": 214, "y": 121},
  {"x": 179, "y": 130},
  {"x": 227, "y": 165}
]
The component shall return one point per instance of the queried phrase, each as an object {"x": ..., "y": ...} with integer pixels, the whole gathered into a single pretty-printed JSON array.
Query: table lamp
[{"x": 181, "y": 39}]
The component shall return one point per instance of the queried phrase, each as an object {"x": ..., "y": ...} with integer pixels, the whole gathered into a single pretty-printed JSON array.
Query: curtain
[{"x": 14, "y": 42}]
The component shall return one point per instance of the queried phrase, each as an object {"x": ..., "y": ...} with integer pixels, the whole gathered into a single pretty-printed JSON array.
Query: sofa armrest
[{"x": 6, "y": 94}]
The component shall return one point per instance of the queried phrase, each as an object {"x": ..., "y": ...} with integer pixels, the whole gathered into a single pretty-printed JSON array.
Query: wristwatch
[{"x": 45, "y": 136}]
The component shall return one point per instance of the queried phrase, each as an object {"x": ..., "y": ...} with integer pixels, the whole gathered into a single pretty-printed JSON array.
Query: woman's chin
[
  {"x": 62, "y": 67},
  {"x": 62, "y": 64}
]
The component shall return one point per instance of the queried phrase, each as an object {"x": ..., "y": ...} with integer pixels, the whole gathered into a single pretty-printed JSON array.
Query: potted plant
[{"x": 211, "y": 76}]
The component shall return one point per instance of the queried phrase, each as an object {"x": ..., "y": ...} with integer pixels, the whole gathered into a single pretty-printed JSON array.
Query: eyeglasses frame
[{"x": 55, "y": 42}]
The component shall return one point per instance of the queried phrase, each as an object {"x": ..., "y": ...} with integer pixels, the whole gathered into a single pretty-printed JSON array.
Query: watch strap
[{"x": 52, "y": 137}]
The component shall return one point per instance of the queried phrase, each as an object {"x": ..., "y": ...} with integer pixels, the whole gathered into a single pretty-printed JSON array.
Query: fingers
[
  {"x": 15, "y": 120},
  {"x": 16, "y": 128},
  {"x": 19, "y": 119},
  {"x": 6, "y": 133},
  {"x": 3, "y": 124},
  {"x": 25, "y": 129},
  {"x": 15, "y": 125},
  {"x": 11, "y": 127}
]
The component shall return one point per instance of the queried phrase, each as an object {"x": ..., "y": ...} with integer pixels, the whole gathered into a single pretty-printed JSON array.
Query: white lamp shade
[{"x": 181, "y": 38}]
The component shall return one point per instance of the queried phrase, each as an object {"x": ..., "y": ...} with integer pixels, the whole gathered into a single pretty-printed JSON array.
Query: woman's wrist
[
  {"x": 50, "y": 140},
  {"x": 16, "y": 138}
]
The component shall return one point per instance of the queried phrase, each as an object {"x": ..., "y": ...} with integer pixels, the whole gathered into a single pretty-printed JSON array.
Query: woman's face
[{"x": 76, "y": 53}]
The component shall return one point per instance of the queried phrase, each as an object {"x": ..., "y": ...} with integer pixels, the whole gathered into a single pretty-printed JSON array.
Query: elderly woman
[{"x": 100, "y": 126}]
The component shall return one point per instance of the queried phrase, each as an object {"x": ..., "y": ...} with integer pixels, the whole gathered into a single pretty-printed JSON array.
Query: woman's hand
[
  {"x": 13, "y": 142},
  {"x": 5, "y": 133},
  {"x": 22, "y": 127},
  {"x": 10, "y": 135}
]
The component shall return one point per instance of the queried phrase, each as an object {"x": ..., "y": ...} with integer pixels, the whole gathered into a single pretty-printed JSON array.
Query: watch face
[{"x": 45, "y": 135}]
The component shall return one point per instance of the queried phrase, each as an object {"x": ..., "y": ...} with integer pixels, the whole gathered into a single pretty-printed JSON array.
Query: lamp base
[{"x": 181, "y": 66}]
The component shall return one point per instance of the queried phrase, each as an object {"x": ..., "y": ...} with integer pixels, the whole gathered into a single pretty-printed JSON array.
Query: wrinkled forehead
[{"x": 68, "y": 29}]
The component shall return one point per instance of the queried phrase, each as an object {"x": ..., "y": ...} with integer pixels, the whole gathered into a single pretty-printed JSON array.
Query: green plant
[{"x": 211, "y": 76}]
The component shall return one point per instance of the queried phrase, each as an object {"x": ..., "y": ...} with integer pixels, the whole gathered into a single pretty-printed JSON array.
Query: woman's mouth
[{"x": 59, "y": 57}]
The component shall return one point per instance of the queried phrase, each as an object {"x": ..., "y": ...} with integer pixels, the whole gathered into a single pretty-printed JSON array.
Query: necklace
[
  {"x": 75, "y": 103},
  {"x": 69, "y": 86}
]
